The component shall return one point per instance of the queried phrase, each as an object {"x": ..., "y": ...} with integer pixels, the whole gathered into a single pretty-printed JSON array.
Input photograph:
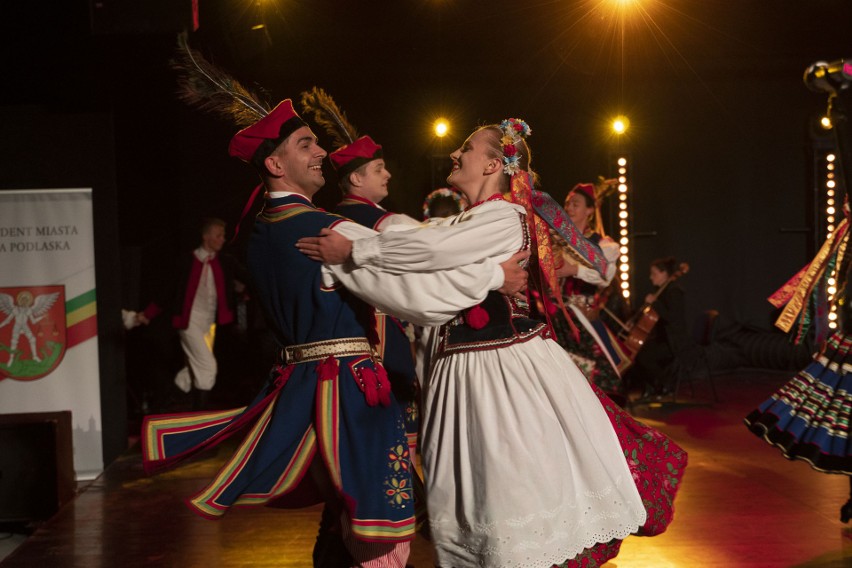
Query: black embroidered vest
[{"x": 508, "y": 322}]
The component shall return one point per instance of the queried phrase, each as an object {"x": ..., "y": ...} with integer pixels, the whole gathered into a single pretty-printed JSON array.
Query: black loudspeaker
[
  {"x": 36, "y": 465},
  {"x": 143, "y": 16}
]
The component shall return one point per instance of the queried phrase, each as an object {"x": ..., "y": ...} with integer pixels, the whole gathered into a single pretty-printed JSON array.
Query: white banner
[{"x": 48, "y": 313}]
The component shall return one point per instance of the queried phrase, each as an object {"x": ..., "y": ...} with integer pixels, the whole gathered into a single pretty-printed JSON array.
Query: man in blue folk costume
[
  {"x": 327, "y": 426},
  {"x": 363, "y": 178}
]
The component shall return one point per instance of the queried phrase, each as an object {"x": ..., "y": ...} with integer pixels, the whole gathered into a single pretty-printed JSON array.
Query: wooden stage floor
[{"x": 741, "y": 505}]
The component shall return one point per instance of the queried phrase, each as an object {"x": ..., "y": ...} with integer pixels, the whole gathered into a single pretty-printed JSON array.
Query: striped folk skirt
[{"x": 808, "y": 418}]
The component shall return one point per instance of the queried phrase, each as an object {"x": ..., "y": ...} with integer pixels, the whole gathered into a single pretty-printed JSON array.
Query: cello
[{"x": 639, "y": 327}]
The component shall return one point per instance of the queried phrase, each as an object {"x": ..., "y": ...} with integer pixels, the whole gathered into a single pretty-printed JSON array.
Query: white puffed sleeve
[
  {"x": 493, "y": 229},
  {"x": 423, "y": 298},
  {"x": 427, "y": 297},
  {"x": 610, "y": 251}
]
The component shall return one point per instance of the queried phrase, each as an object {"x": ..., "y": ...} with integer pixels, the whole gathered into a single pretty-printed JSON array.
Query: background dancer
[
  {"x": 595, "y": 348},
  {"x": 808, "y": 418}
]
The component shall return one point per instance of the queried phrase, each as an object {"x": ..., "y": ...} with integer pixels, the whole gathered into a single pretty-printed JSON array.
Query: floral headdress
[
  {"x": 459, "y": 199},
  {"x": 514, "y": 130}
]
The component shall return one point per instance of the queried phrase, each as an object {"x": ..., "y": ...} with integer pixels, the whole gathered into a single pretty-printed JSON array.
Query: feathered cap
[
  {"x": 204, "y": 85},
  {"x": 585, "y": 188},
  {"x": 266, "y": 134},
  {"x": 352, "y": 152},
  {"x": 352, "y": 156}
]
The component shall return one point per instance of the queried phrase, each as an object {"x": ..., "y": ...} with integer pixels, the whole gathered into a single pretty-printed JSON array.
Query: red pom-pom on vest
[{"x": 476, "y": 317}]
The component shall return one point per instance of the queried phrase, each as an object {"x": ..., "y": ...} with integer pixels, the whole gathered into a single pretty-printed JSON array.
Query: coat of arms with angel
[{"x": 22, "y": 312}]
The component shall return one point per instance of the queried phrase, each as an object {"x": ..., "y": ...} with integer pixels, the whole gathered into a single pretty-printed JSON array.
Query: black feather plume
[
  {"x": 202, "y": 84},
  {"x": 329, "y": 116}
]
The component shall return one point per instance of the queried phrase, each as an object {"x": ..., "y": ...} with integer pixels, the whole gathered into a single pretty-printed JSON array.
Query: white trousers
[{"x": 197, "y": 343}]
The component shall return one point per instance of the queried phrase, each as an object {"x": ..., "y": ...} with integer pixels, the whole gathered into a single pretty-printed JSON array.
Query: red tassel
[
  {"x": 368, "y": 384},
  {"x": 327, "y": 369},
  {"x": 476, "y": 317},
  {"x": 246, "y": 208},
  {"x": 574, "y": 331},
  {"x": 384, "y": 385}
]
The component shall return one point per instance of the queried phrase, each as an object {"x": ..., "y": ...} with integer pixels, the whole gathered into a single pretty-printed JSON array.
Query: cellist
[{"x": 653, "y": 366}]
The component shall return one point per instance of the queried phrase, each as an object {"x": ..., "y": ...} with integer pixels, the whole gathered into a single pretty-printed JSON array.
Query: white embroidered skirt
[{"x": 521, "y": 463}]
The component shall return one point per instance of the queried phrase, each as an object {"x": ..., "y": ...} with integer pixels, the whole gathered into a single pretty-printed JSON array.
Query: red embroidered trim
[{"x": 495, "y": 197}]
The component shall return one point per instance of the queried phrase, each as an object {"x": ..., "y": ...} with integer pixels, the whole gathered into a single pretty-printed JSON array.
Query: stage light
[
  {"x": 829, "y": 184},
  {"x": 830, "y": 211},
  {"x": 620, "y": 124},
  {"x": 442, "y": 128},
  {"x": 825, "y": 122}
]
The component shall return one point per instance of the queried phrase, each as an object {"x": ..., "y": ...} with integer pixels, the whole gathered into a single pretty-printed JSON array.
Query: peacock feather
[
  {"x": 329, "y": 116},
  {"x": 202, "y": 84}
]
